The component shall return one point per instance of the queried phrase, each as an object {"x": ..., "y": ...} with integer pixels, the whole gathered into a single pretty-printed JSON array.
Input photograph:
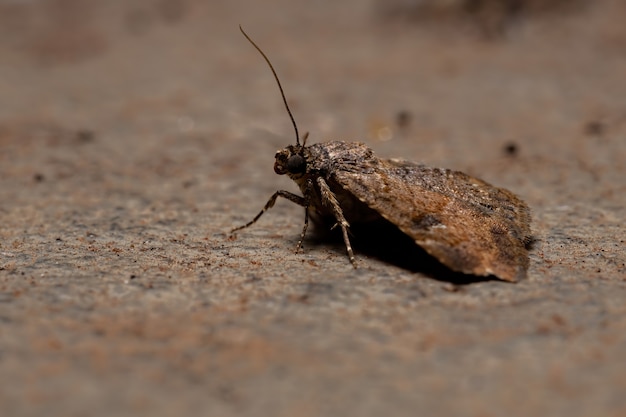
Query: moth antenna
[
  {"x": 304, "y": 138},
  {"x": 280, "y": 87}
]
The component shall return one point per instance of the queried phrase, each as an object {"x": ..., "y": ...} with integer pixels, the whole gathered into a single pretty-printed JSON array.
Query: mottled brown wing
[{"x": 467, "y": 224}]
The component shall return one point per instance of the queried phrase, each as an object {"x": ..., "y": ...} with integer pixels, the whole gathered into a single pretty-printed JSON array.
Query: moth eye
[{"x": 296, "y": 164}]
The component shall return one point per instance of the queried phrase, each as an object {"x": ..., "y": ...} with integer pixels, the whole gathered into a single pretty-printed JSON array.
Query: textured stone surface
[{"x": 134, "y": 135}]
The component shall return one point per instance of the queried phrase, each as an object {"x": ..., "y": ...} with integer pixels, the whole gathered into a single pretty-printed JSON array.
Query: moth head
[{"x": 291, "y": 161}]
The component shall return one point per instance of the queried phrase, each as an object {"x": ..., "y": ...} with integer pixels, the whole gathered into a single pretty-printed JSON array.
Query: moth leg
[
  {"x": 329, "y": 198},
  {"x": 306, "y": 203},
  {"x": 301, "y": 201},
  {"x": 306, "y": 226}
]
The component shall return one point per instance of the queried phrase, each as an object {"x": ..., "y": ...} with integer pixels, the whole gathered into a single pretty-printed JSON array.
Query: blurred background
[{"x": 489, "y": 72}]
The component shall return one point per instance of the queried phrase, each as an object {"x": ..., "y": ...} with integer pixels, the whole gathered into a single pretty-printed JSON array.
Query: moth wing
[{"x": 467, "y": 224}]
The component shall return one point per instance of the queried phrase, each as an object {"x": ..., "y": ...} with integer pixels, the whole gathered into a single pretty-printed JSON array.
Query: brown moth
[{"x": 465, "y": 223}]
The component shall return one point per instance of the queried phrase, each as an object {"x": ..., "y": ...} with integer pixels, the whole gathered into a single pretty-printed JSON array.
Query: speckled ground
[{"x": 134, "y": 135}]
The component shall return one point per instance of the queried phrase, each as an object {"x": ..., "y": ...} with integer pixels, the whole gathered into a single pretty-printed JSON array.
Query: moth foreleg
[
  {"x": 329, "y": 199},
  {"x": 270, "y": 203},
  {"x": 307, "y": 202}
]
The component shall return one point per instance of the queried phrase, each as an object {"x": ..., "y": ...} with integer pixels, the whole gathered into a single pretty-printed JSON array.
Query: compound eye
[{"x": 296, "y": 164}]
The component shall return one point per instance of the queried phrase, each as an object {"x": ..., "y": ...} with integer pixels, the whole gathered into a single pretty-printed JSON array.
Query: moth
[{"x": 465, "y": 223}]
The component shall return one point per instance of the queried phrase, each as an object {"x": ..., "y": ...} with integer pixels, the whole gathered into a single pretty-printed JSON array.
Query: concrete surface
[{"x": 134, "y": 135}]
